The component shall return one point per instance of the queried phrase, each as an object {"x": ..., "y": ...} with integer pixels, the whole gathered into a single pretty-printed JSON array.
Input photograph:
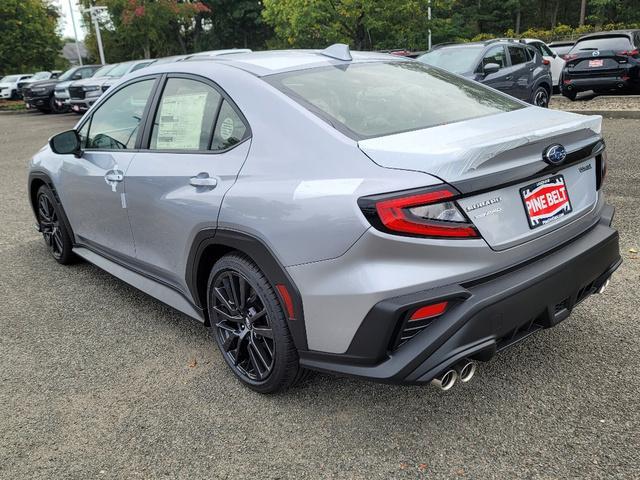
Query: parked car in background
[
  {"x": 506, "y": 65},
  {"x": 38, "y": 76},
  {"x": 83, "y": 93},
  {"x": 61, "y": 90},
  {"x": 41, "y": 94},
  {"x": 555, "y": 61},
  {"x": 603, "y": 62},
  {"x": 9, "y": 85},
  {"x": 348, "y": 212},
  {"x": 562, "y": 47}
]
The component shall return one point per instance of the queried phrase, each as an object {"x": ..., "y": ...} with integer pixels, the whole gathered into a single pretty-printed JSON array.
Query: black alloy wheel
[
  {"x": 541, "y": 97},
  {"x": 243, "y": 326},
  {"x": 53, "y": 229},
  {"x": 248, "y": 322}
]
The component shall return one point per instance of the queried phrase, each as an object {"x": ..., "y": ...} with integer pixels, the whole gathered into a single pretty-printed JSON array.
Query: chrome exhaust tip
[
  {"x": 603, "y": 287},
  {"x": 445, "y": 380},
  {"x": 466, "y": 370}
]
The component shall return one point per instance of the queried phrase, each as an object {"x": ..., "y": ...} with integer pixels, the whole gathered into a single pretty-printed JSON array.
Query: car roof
[
  {"x": 278, "y": 61},
  {"x": 610, "y": 33}
]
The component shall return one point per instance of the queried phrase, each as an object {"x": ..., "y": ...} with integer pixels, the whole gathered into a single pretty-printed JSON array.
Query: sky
[{"x": 65, "y": 18}]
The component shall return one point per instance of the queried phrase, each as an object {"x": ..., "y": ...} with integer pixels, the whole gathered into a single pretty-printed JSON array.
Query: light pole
[
  {"x": 429, "y": 19},
  {"x": 95, "y": 12},
  {"x": 75, "y": 32}
]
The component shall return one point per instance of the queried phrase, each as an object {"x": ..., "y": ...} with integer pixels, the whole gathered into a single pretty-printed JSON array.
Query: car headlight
[
  {"x": 38, "y": 90},
  {"x": 92, "y": 88}
]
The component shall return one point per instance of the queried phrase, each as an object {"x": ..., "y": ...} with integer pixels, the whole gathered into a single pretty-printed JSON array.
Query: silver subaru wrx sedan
[{"x": 340, "y": 211}]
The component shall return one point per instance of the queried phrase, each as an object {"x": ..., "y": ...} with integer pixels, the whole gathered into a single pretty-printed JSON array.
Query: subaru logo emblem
[
  {"x": 554, "y": 154},
  {"x": 595, "y": 53}
]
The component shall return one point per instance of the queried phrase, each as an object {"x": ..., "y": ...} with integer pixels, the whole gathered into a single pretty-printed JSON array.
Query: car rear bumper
[
  {"x": 610, "y": 82},
  {"x": 484, "y": 317}
]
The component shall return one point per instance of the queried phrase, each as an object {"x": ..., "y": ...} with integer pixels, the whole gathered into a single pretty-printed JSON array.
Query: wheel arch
[
  {"x": 210, "y": 245},
  {"x": 36, "y": 180}
]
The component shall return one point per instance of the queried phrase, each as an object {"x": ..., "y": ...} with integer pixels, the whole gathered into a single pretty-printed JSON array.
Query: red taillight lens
[
  {"x": 629, "y": 53},
  {"x": 546, "y": 62},
  {"x": 428, "y": 311},
  {"x": 288, "y": 302},
  {"x": 427, "y": 213},
  {"x": 570, "y": 56}
]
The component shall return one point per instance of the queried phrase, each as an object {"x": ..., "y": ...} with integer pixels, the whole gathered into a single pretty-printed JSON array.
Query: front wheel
[
  {"x": 541, "y": 97},
  {"x": 249, "y": 326},
  {"x": 56, "y": 236}
]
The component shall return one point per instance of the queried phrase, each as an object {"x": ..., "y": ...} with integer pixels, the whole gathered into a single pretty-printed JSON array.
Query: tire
[
  {"x": 249, "y": 326},
  {"x": 570, "y": 94},
  {"x": 540, "y": 97},
  {"x": 54, "y": 231}
]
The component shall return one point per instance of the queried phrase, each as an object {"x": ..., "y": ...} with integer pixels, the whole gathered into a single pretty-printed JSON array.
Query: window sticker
[
  {"x": 226, "y": 128},
  {"x": 180, "y": 121}
]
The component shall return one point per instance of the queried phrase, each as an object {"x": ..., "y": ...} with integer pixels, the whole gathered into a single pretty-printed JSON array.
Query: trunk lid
[{"x": 495, "y": 161}]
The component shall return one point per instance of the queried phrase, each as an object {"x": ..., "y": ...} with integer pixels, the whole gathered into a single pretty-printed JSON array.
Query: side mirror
[
  {"x": 66, "y": 143},
  {"x": 490, "y": 68}
]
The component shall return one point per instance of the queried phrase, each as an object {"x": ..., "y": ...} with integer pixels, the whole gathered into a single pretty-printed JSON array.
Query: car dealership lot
[{"x": 100, "y": 380}]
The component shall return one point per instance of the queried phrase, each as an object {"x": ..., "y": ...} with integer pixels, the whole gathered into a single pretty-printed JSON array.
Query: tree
[{"x": 28, "y": 36}]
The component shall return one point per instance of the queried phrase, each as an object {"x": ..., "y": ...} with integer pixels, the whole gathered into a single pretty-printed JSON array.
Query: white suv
[{"x": 9, "y": 85}]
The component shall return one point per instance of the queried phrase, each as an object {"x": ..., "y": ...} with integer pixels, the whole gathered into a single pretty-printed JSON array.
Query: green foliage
[{"x": 28, "y": 36}]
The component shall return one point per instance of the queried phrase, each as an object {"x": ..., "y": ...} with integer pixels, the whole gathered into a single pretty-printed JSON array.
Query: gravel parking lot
[{"x": 101, "y": 381}]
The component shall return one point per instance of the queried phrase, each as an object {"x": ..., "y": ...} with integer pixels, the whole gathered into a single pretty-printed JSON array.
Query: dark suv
[
  {"x": 603, "y": 62},
  {"x": 40, "y": 94},
  {"x": 506, "y": 65}
]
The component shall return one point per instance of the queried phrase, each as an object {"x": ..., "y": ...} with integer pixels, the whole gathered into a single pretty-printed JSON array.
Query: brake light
[
  {"x": 629, "y": 53},
  {"x": 546, "y": 62},
  {"x": 428, "y": 311},
  {"x": 570, "y": 56},
  {"x": 425, "y": 213}
]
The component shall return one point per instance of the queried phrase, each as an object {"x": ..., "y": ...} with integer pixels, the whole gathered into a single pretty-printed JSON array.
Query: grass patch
[{"x": 12, "y": 105}]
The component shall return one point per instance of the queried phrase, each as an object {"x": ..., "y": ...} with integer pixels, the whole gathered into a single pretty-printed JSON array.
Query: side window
[
  {"x": 495, "y": 55},
  {"x": 83, "y": 132},
  {"x": 185, "y": 116},
  {"x": 114, "y": 125},
  {"x": 517, "y": 55},
  {"x": 546, "y": 51},
  {"x": 531, "y": 53},
  {"x": 230, "y": 129}
]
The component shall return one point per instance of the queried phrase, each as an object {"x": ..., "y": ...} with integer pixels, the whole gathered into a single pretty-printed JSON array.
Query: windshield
[
  {"x": 66, "y": 75},
  {"x": 119, "y": 70},
  {"x": 41, "y": 76},
  {"x": 9, "y": 79},
  {"x": 454, "y": 59},
  {"x": 603, "y": 43},
  {"x": 102, "y": 71},
  {"x": 382, "y": 98}
]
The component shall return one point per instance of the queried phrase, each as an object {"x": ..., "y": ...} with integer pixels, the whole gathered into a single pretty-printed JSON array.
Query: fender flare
[
  {"x": 43, "y": 177},
  {"x": 211, "y": 244}
]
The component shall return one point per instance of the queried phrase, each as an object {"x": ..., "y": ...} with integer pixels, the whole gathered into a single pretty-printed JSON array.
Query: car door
[
  {"x": 196, "y": 143},
  {"x": 92, "y": 185},
  {"x": 521, "y": 71},
  {"x": 499, "y": 80}
]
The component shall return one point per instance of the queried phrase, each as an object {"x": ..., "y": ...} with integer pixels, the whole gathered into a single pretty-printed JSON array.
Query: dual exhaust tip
[{"x": 463, "y": 372}]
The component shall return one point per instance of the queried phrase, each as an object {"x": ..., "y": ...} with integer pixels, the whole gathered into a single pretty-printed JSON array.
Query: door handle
[
  {"x": 203, "y": 180},
  {"x": 508, "y": 77},
  {"x": 114, "y": 176}
]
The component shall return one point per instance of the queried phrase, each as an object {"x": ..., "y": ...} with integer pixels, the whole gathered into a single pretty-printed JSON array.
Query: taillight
[
  {"x": 430, "y": 212},
  {"x": 601, "y": 169},
  {"x": 629, "y": 53},
  {"x": 546, "y": 62},
  {"x": 570, "y": 56}
]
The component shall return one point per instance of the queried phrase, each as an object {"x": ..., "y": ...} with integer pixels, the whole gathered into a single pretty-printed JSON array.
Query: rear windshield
[
  {"x": 382, "y": 98},
  {"x": 603, "y": 43},
  {"x": 453, "y": 59}
]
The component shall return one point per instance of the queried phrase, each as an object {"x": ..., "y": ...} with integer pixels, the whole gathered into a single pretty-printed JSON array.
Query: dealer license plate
[
  {"x": 595, "y": 63},
  {"x": 546, "y": 201}
]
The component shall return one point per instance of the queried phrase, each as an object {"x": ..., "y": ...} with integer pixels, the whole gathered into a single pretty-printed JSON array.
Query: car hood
[
  {"x": 65, "y": 84},
  {"x": 41, "y": 83},
  {"x": 91, "y": 81},
  {"x": 509, "y": 143},
  {"x": 7, "y": 85}
]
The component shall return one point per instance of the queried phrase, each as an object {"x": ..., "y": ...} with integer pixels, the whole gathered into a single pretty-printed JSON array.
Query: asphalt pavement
[{"x": 98, "y": 380}]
